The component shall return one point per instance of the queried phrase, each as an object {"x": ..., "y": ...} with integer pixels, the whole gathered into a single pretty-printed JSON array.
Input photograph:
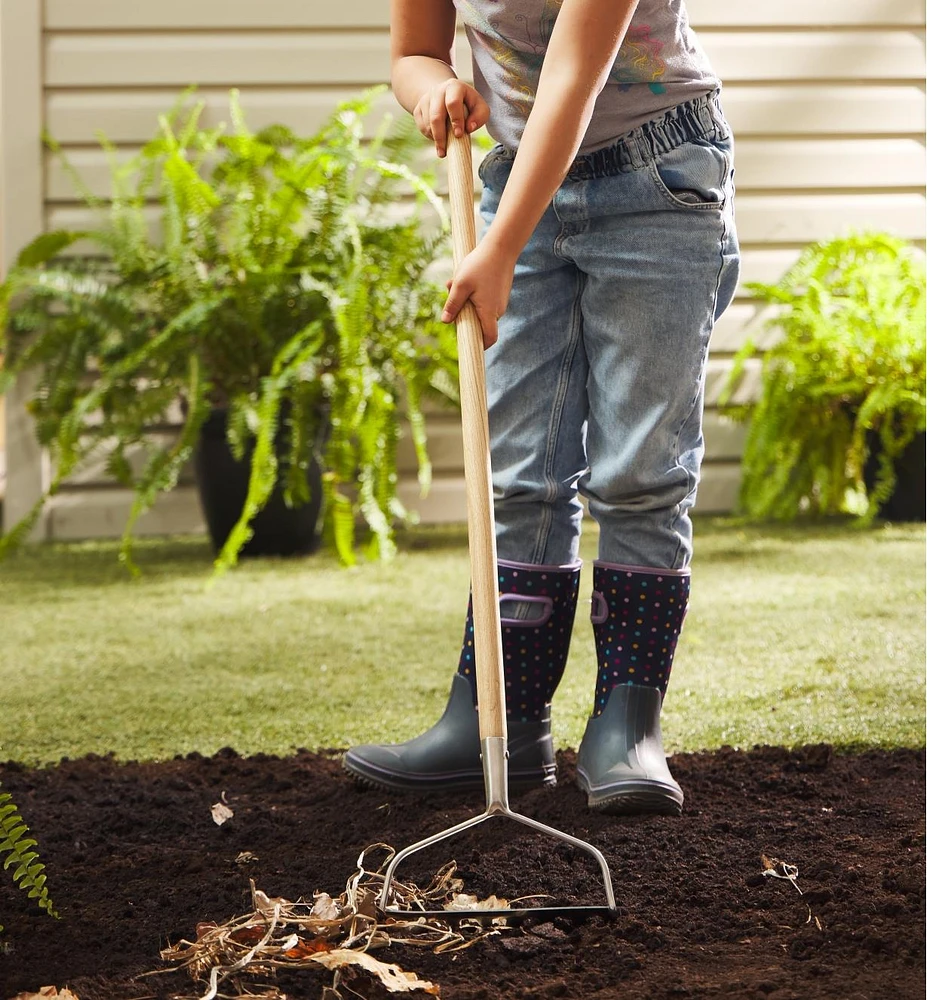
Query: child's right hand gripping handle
[{"x": 487, "y": 633}]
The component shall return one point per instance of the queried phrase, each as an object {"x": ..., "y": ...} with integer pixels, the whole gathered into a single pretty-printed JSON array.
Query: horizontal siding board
[
  {"x": 784, "y": 219},
  {"x": 307, "y": 57},
  {"x": 718, "y": 370},
  {"x": 761, "y": 163},
  {"x": 130, "y": 117},
  {"x": 829, "y": 163},
  {"x": 802, "y": 218},
  {"x": 206, "y": 14},
  {"x": 719, "y": 488},
  {"x": 75, "y": 117},
  {"x": 740, "y": 321},
  {"x": 803, "y": 13},
  {"x": 765, "y": 265},
  {"x": 302, "y": 57},
  {"x": 724, "y": 440},
  {"x": 103, "y": 513},
  {"x": 816, "y": 55},
  {"x": 212, "y": 14},
  {"x": 826, "y": 109}
]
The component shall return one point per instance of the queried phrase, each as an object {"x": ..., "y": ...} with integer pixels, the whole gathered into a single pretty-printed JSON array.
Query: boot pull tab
[
  {"x": 599, "y": 611},
  {"x": 545, "y": 610}
]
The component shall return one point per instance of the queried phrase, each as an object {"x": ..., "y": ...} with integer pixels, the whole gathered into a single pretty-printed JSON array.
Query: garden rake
[{"x": 483, "y": 573}]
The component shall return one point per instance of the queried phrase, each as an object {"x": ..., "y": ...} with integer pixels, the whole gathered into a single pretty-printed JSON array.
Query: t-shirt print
[{"x": 519, "y": 50}]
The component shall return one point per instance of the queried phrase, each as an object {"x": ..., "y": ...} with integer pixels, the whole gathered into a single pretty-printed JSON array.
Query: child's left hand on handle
[{"x": 485, "y": 278}]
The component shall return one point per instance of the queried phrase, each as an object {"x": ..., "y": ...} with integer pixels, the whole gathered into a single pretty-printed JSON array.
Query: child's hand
[
  {"x": 485, "y": 278},
  {"x": 452, "y": 99}
]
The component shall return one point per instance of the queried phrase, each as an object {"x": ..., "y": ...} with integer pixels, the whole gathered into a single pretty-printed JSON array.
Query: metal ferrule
[{"x": 495, "y": 773}]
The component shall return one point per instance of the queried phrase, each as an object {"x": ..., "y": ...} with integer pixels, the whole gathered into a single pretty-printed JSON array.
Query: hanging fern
[{"x": 16, "y": 851}]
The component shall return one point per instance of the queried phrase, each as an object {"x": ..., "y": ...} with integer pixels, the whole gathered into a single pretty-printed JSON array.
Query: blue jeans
[{"x": 596, "y": 384}]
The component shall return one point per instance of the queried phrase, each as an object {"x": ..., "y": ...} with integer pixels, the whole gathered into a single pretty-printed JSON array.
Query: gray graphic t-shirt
[{"x": 660, "y": 65}]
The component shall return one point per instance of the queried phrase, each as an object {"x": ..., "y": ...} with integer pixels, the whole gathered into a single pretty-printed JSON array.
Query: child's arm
[
  {"x": 424, "y": 81},
  {"x": 582, "y": 50}
]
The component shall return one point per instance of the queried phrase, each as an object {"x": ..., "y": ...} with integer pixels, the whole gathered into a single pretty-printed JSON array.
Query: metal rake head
[{"x": 495, "y": 768}]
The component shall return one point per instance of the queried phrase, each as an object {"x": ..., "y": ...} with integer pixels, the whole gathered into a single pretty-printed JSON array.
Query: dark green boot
[
  {"x": 637, "y": 615},
  {"x": 538, "y": 604},
  {"x": 621, "y": 764}
]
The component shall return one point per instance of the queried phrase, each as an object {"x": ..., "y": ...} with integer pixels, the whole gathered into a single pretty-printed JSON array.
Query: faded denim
[{"x": 596, "y": 385}]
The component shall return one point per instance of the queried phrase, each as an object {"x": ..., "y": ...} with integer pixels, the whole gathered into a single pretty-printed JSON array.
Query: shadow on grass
[
  {"x": 97, "y": 563},
  {"x": 739, "y": 539}
]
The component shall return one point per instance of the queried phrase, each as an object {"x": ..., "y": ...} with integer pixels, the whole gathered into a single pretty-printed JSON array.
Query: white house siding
[{"x": 826, "y": 98}]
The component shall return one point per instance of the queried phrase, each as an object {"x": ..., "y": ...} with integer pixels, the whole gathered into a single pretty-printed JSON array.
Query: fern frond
[
  {"x": 339, "y": 520},
  {"x": 16, "y": 845},
  {"x": 164, "y": 468}
]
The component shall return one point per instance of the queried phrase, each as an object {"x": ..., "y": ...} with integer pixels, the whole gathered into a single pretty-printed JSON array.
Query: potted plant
[
  {"x": 841, "y": 408},
  {"x": 278, "y": 292}
]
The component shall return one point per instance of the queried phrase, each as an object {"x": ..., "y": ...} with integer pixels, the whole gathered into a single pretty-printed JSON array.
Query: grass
[{"x": 794, "y": 635}]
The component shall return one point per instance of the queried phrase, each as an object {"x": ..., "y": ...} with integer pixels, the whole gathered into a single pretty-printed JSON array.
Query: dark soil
[{"x": 135, "y": 861}]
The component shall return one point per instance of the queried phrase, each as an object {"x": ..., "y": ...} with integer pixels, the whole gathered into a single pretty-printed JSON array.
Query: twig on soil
[{"x": 335, "y": 933}]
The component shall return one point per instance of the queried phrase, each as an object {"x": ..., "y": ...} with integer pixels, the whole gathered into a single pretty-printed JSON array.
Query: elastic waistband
[{"x": 699, "y": 118}]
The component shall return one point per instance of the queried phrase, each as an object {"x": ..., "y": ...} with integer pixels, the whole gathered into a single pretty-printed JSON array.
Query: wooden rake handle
[{"x": 487, "y": 631}]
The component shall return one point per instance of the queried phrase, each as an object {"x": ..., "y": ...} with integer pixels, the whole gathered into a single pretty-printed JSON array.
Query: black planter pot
[
  {"x": 223, "y": 485},
  {"x": 909, "y": 500}
]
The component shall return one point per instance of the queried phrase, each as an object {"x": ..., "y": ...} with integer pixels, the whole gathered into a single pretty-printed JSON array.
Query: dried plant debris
[
  {"x": 337, "y": 934},
  {"x": 221, "y": 813},
  {"x": 774, "y": 868},
  {"x": 47, "y": 993}
]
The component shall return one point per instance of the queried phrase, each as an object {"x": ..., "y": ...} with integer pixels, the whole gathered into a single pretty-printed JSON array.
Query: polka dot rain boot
[
  {"x": 637, "y": 614},
  {"x": 537, "y": 607}
]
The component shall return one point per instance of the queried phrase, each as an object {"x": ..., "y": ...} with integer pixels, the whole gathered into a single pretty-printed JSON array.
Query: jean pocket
[
  {"x": 694, "y": 175},
  {"x": 497, "y": 153}
]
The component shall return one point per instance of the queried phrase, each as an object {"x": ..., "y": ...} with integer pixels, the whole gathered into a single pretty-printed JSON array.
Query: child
[{"x": 609, "y": 252}]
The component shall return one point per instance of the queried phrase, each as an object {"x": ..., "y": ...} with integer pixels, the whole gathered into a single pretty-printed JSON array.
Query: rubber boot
[
  {"x": 537, "y": 605},
  {"x": 637, "y": 615}
]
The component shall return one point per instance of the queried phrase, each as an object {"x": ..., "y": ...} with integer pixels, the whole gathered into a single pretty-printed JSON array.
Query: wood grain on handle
[{"x": 487, "y": 633}]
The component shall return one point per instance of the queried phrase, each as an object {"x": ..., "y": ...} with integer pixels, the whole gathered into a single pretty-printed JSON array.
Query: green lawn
[{"x": 794, "y": 635}]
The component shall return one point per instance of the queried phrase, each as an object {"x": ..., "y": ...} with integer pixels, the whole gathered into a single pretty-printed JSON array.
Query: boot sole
[
  {"x": 390, "y": 782},
  {"x": 637, "y": 804},
  {"x": 634, "y": 798}
]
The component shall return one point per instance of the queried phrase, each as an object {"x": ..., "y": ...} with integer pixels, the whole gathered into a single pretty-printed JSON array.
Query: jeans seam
[
  {"x": 556, "y": 419},
  {"x": 694, "y": 479}
]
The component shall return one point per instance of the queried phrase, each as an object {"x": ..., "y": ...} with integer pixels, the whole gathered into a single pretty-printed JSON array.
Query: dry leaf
[
  {"x": 267, "y": 904},
  {"x": 47, "y": 993},
  {"x": 246, "y": 858},
  {"x": 306, "y": 948},
  {"x": 325, "y": 908},
  {"x": 221, "y": 813},
  {"x": 248, "y": 935},
  {"x": 464, "y": 901},
  {"x": 396, "y": 980},
  {"x": 202, "y": 929}
]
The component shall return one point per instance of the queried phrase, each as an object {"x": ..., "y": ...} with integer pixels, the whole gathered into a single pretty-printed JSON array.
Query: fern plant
[
  {"x": 282, "y": 278},
  {"x": 844, "y": 379},
  {"x": 17, "y": 853}
]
